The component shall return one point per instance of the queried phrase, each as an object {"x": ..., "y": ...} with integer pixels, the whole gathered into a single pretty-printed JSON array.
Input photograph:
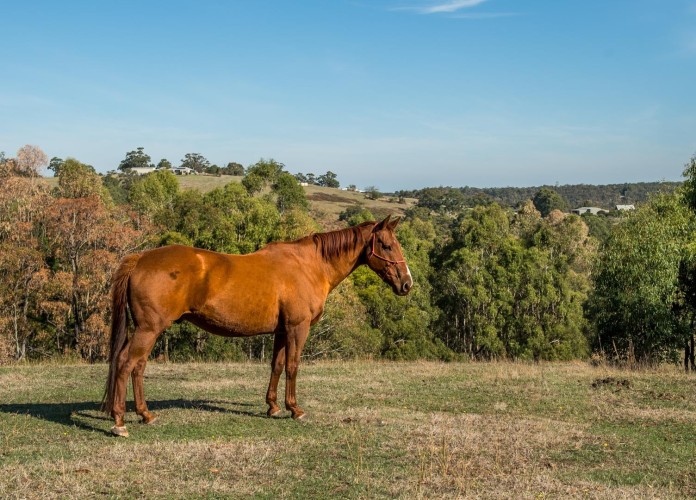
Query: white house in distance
[
  {"x": 175, "y": 170},
  {"x": 143, "y": 170},
  {"x": 625, "y": 207},
  {"x": 588, "y": 210}
]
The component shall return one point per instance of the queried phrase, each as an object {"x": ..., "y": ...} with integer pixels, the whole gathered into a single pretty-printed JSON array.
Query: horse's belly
[
  {"x": 236, "y": 319},
  {"x": 225, "y": 329}
]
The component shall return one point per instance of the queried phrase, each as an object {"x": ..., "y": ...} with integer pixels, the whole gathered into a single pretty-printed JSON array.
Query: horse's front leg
[
  {"x": 295, "y": 341},
  {"x": 277, "y": 365}
]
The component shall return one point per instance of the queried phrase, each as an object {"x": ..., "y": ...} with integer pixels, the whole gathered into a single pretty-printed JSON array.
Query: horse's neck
[{"x": 339, "y": 268}]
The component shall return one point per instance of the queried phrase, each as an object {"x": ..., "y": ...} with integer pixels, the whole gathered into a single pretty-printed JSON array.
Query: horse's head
[{"x": 384, "y": 256}]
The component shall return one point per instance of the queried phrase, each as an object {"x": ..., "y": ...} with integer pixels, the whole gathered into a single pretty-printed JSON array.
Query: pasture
[{"x": 374, "y": 430}]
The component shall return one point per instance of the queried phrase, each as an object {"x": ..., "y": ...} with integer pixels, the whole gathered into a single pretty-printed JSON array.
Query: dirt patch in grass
[
  {"x": 334, "y": 198},
  {"x": 612, "y": 382}
]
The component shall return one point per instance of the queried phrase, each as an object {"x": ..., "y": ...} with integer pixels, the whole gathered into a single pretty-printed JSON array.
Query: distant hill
[
  {"x": 605, "y": 196},
  {"x": 326, "y": 203}
]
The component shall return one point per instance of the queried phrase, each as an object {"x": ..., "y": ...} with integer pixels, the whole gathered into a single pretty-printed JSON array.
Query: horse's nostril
[{"x": 406, "y": 286}]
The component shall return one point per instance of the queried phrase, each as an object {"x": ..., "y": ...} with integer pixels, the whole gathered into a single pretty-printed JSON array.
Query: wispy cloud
[
  {"x": 441, "y": 6},
  {"x": 448, "y": 7}
]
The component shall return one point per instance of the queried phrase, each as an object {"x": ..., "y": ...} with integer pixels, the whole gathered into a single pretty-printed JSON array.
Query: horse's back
[{"x": 225, "y": 294}]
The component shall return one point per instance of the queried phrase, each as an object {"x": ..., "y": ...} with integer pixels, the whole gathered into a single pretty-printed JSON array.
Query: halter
[{"x": 374, "y": 254}]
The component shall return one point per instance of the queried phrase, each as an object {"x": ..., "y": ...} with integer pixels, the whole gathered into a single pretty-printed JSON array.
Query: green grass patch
[{"x": 375, "y": 429}]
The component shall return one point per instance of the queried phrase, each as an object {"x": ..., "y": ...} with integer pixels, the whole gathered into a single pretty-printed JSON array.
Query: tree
[
  {"x": 289, "y": 193},
  {"x": 253, "y": 182},
  {"x": 636, "y": 283},
  {"x": 261, "y": 174},
  {"x": 329, "y": 179},
  {"x": 342, "y": 332},
  {"x": 153, "y": 195},
  {"x": 78, "y": 180},
  {"x": 135, "y": 159},
  {"x": 55, "y": 164},
  {"x": 31, "y": 160},
  {"x": 268, "y": 170},
  {"x": 546, "y": 200},
  {"x": 233, "y": 168},
  {"x": 356, "y": 214},
  {"x": 195, "y": 161},
  {"x": 86, "y": 238},
  {"x": 227, "y": 219},
  {"x": 22, "y": 203},
  {"x": 442, "y": 199},
  {"x": 514, "y": 288},
  {"x": 687, "y": 268},
  {"x": 372, "y": 193},
  {"x": 164, "y": 164}
]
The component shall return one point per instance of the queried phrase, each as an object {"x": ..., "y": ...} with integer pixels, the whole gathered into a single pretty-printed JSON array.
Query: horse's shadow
[{"x": 86, "y": 415}]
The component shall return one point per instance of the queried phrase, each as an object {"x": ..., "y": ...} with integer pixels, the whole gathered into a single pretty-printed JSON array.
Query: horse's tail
[{"x": 119, "y": 325}]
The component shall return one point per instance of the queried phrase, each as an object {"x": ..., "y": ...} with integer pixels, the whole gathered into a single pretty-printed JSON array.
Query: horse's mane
[{"x": 333, "y": 243}]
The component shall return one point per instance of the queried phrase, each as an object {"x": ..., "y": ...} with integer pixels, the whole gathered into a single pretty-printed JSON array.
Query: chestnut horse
[{"x": 280, "y": 290}]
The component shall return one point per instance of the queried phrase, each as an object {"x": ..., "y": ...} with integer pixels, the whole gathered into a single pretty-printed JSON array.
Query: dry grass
[
  {"x": 328, "y": 203},
  {"x": 205, "y": 183},
  {"x": 376, "y": 430}
]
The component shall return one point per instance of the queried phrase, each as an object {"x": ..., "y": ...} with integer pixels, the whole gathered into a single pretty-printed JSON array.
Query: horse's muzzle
[{"x": 406, "y": 286}]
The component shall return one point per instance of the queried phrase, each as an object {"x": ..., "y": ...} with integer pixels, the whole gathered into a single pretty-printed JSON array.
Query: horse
[{"x": 280, "y": 289}]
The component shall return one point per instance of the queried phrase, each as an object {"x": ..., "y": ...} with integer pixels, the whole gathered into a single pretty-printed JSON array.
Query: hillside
[
  {"x": 577, "y": 195},
  {"x": 328, "y": 203}
]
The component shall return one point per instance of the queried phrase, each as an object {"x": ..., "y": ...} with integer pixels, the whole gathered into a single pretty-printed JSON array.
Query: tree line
[
  {"x": 533, "y": 283},
  {"x": 605, "y": 196}
]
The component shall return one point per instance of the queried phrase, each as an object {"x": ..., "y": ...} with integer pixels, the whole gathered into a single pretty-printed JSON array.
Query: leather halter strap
[{"x": 374, "y": 254}]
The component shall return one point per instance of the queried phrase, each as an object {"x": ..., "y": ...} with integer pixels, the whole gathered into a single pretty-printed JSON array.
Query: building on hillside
[
  {"x": 625, "y": 207},
  {"x": 588, "y": 210},
  {"x": 183, "y": 171},
  {"x": 143, "y": 170}
]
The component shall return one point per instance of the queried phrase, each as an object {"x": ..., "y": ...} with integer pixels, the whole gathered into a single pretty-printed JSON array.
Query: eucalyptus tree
[{"x": 636, "y": 302}]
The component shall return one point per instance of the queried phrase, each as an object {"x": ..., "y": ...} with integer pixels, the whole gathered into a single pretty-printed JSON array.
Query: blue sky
[{"x": 398, "y": 94}]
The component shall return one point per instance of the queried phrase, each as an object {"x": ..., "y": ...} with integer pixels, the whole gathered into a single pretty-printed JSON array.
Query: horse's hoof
[
  {"x": 150, "y": 418},
  {"x": 275, "y": 414},
  {"x": 300, "y": 418},
  {"x": 119, "y": 431}
]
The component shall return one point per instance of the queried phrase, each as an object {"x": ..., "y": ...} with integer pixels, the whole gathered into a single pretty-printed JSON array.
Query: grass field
[{"x": 374, "y": 430}]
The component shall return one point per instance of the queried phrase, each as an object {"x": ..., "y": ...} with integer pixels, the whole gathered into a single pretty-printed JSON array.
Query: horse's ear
[
  {"x": 381, "y": 225},
  {"x": 393, "y": 223}
]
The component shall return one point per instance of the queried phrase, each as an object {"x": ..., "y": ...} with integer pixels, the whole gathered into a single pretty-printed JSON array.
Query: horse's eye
[{"x": 386, "y": 247}]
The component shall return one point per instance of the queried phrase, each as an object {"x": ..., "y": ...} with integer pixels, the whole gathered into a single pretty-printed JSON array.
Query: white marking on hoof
[
  {"x": 119, "y": 431},
  {"x": 301, "y": 417},
  {"x": 277, "y": 414},
  {"x": 151, "y": 421}
]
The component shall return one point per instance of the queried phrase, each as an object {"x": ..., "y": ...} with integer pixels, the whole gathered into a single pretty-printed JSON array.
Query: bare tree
[{"x": 31, "y": 160}]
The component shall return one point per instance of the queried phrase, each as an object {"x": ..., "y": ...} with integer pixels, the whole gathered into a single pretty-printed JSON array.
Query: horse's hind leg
[
  {"x": 139, "y": 392},
  {"x": 132, "y": 360},
  {"x": 296, "y": 338},
  {"x": 277, "y": 365}
]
